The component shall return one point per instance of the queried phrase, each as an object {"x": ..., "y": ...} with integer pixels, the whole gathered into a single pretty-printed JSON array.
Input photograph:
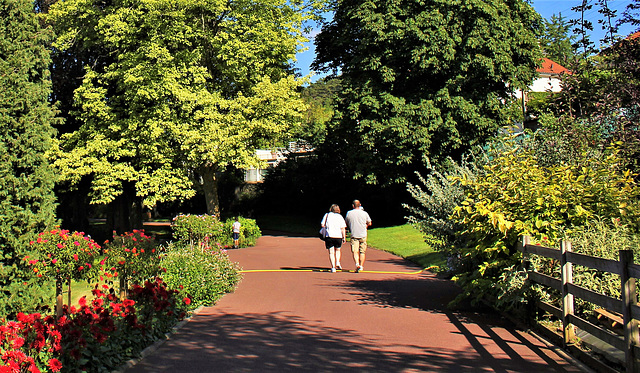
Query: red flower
[
  {"x": 75, "y": 256},
  {"x": 187, "y": 301},
  {"x": 55, "y": 365},
  {"x": 18, "y": 342}
]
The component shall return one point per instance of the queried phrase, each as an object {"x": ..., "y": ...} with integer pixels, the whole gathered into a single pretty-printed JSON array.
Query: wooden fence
[{"x": 626, "y": 306}]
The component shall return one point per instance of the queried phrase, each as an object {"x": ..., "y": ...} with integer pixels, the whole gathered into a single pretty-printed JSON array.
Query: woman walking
[{"x": 337, "y": 235}]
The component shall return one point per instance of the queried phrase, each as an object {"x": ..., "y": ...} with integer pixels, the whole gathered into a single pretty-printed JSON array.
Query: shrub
[
  {"x": 600, "y": 237},
  {"x": 206, "y": 230},
  {"x": 437, "y": 198},
  {"x": 196, "y": 229},
  {"x": 516, "y": 195},
  {"x": 249, "y": 233},
  {"x": 133, "y": 257},
  {"x": 202, "y": 274}
]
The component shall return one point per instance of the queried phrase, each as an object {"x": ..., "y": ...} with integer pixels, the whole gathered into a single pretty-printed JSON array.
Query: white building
[
  {"x": 271, "y": 158},
  {"x": 548, "y": 79}
]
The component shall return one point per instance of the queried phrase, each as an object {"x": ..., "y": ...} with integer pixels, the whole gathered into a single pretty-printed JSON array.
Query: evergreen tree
[
  {"x": 27, "y": 202},
  {"x": 557, "y": 41}
]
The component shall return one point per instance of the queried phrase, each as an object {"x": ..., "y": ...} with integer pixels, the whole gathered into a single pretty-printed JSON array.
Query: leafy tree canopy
[
  {"x": 424, "y": 77},
  {"x": 320, "y": 98},
  {"x": 177, "y": 89}
]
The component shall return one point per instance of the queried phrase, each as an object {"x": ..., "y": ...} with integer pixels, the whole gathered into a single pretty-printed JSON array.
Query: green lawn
[
  {"x": 407, "y": 242},
  {"x": 78, "y": 290}
]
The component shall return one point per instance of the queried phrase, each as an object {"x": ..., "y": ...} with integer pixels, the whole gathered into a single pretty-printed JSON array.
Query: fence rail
[{"x": 626, "y": 306}]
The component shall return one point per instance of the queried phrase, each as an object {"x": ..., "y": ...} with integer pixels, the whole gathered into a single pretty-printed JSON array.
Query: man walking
[{"x": 358, "y": 221}]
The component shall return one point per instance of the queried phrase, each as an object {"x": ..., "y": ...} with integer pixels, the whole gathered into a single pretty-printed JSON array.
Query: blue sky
[{"x": 546, "y": 8}]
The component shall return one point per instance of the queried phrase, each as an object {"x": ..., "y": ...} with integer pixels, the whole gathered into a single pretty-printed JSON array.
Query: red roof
[{"x": 550, "y": 67}]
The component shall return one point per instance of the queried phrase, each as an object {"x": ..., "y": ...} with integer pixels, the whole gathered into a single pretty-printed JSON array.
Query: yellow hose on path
[{"x": 326, "y": 270}]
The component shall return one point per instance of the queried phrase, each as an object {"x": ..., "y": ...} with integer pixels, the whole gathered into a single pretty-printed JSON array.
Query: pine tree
[
  {"x": 557, "y": 40},
  {"x": 27, "y": 201}
]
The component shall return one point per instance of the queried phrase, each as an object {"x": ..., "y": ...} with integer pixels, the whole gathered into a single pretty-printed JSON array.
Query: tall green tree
[
  {"x": 424, "y": 77},
  {"x": 557, "y": 40},
  {"x": 27, "y": 201},
  {"x": 320, "y": 98},
  {"x": 176, "y": 92}
]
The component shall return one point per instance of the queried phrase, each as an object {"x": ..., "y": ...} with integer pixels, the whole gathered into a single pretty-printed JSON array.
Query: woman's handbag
[{"x": 324, "y": 234}]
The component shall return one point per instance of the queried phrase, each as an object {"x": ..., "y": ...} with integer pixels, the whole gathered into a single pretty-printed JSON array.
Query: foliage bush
[
  {"x": 567, "y": 140},
  {"x": 602, "y": 238},
  {"x": 437, "y": 197},
  {"x": 195, "y": 229},
  {"x": 203, "y": 274},
  {"x": 515, "y": 194},
  {"x": 249, "y": 232},
  {"x": 206, "y": 230}
]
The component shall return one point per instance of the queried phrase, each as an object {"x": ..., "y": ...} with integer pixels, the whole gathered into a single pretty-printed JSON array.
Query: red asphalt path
[{"x": 320, "y": 321}]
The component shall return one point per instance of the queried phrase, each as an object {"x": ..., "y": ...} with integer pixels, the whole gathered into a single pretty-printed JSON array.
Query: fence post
[
  {"x": 524, "y": 242},
  {"x": 567, "y": 298},
  {"x": 530, "y": 308},
  {"x": 629, "y": 298}
]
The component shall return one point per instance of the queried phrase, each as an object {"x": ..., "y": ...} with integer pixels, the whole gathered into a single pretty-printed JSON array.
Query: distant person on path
[
  {"x": 236, "y": 232},
  {"x": 358, "y": 221},
  {"x": 337, "y": 231}
]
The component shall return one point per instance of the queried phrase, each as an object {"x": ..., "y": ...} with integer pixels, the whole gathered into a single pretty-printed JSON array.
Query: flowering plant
[
  {"x": 133, "y": 257},
  {"x": 99, "y": 335},
  {"x": 30, "y": 344},
  {"x": 61, "y": 254}
]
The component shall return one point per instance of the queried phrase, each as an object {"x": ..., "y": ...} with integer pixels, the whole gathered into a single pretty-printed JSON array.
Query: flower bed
[{"x": 102, "y": 333}]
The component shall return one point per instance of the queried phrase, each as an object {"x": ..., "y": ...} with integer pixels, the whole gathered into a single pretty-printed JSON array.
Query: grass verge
[{"x": 406, "y": 242}]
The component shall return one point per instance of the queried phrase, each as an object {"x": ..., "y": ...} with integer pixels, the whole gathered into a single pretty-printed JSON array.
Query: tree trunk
[
  {"x": 125, "y": 212},
  {"x": 59, "y": 301},
  {"x": 210, "y": 186}
]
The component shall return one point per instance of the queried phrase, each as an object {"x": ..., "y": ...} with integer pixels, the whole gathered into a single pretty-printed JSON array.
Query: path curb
[{"x": 152, "y": 348}]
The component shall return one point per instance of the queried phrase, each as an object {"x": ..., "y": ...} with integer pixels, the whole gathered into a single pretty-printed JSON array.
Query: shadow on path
[
  {"x": 312, "y": 321},
  {"x": 280, "y": 342}
]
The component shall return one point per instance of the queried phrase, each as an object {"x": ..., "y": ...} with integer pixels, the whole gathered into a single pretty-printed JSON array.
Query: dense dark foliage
[{"x": 27, "y": 202}]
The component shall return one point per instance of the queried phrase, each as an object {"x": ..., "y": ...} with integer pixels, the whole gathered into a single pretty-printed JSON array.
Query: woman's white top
[{"x": 335, "y": 223}]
